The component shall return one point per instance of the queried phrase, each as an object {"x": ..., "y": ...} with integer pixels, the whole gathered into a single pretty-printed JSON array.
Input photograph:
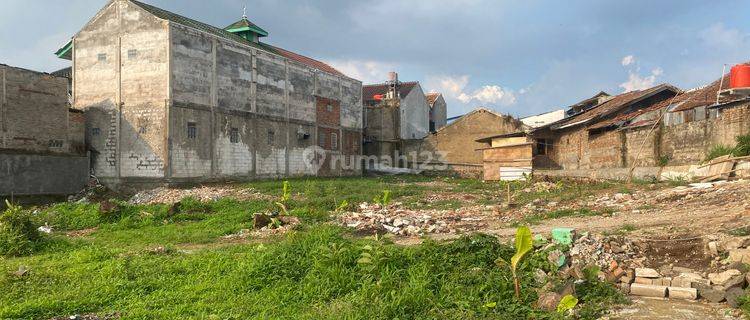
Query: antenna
[{"x": 244, "y": 12}]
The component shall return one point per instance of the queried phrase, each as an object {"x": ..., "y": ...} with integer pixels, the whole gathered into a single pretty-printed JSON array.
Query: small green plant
[
  {"x": 664, "y": 160},
  {"x": 343, "y": 205},
  {"x": 743, "y": 146},
  {"x": 286, "y": 192},
  {"x": 18, "y": 234},
  {"x": 385, "y": 199},
  {"x": 523, "y": 244},
  {"x": 568, "y": 302}
]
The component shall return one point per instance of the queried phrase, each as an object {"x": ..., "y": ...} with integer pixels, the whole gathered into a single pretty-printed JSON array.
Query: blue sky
[{"x": 517, "y": 57}]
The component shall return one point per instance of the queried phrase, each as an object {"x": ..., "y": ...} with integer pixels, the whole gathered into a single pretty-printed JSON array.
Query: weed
[
  {"x": 718, "y": 151},
  {"x": 383, "y": 200},
  {"x": 663, "y": 160},
  {"x": 18, "y": 234},
  {"x": 286, "y": 192}
]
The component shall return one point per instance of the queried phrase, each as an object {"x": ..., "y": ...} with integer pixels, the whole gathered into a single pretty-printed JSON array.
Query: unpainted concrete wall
[
  {"x": 37, "y": 174},
  {"x": 439, "y": 112},
  {"x": 415, "y": 115},
  {"x": 142, "y": 80}
]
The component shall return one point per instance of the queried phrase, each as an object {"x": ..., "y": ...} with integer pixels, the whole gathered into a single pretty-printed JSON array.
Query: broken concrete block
[
  {"x": 646, "y": 290},
  {"x": 548, "y": 301},
  {"x": 646, "y": 273},
  {"x": 734, "y": 243},
  {"x": 722, "y": 278},
  {"x": 624, "y": 288},
  {"x": 640, "y": 280},
  {"x": 665, "y": 281},
  {"x": 709, "y": 293},
  {"x": 563, "y": 235},
  {"x": 713, "y": 248},
  {"x": 732, "y": 295},
  {"x": 739, "y": 255},
  {"x": 683, "y": 293}
]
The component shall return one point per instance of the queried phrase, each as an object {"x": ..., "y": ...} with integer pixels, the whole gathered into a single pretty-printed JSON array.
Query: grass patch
[
  {"x": 315, "y": 273},
  {"x": 557, "y": 214}
]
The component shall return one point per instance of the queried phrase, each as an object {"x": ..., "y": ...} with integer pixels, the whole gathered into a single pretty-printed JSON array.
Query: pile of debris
[
  {"x": 371, "y": 218},
  {"x": 639, "y": 267},
  {"x": 203, "y": 193}
]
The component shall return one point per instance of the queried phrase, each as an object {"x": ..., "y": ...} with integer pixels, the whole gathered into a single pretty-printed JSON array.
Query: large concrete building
[
  {"x": 171, "y": 99},
  {"x": 42, "y": 148}
]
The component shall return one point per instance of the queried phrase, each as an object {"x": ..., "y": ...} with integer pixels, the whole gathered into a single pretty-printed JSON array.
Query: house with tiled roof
[
  {"x": 171, "y": 99},
  {"x": 395, "y": 112},
  {"x": 582, "y": 142}
]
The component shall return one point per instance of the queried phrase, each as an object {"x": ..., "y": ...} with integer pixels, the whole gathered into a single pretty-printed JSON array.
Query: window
[
  {"x": 322, "y": 140},
  {"x": 55, "y": 143},
  {"x": 192, "y": 130},
  {"x": 234, "y": 135},
  {"x": 142, "y": 129},
  {"x": 334, "y": 141},
  {"x": 96, "y": 131},
  {"x": 329, "y": 108},
  {"x": 541, "y": 146},
  {"x": 132, "y": 54},
  {"x": 101, "y": 57},
  {"x": 271, "y": 135}
]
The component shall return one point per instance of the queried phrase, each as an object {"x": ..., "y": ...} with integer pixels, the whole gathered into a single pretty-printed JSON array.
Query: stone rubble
[
  {"x": 396, "y": 220},
  {"x": 202, "y": 193}
]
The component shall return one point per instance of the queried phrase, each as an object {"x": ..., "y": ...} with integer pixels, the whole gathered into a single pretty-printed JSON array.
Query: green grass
[
  {"x": 311, "y": 272},
  {"x": 557, "y": 214}
]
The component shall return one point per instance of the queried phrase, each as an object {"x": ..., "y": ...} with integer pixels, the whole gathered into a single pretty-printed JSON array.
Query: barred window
[
  {"x": 321, "y": 140},
  {"x": 132, "y": 54},
  {"x": 192, "y": 130},
  {"x": 334, "y": 141},
  {"x": 101, "y": 57},
  {"x": 271, "y": 137},
  {"x": 329, "y": 107},
  {"x": 234, "y": 135},
  {"x": 96, "y": 131}
]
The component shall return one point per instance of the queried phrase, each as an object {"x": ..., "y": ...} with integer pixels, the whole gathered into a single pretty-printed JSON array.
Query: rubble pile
[
  {"x": 203, "y": 193},
  {"x": 629, "y": 263},
  {"x": 393, "y": 219}
]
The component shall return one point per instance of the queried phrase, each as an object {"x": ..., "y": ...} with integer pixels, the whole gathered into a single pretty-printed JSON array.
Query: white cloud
[
  {"x": 368, "y": 71},
  {"x": 628, "y": 60},
  {"x": 637, "y": 82},
  {"x": 455, "y": 87},
  {"x": 490, "y": 94}
]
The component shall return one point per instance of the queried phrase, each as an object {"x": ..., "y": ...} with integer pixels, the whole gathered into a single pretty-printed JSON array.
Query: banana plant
[{"x": 524, "y": 244}]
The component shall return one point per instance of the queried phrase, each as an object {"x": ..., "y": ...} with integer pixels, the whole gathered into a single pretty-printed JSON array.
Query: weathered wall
[
  {"x": 604, "y": 150},
  {"x": 674, "y": 144},
  {"x": 439, "y": 113},
  {"x": 36, "y": 174},
  {"x": 121, "y": 66},
  {"x": 34, "y": 113},
  {"x": 456, "y": 142},
  {"x": 167, "y": 102},
  {"x": 415, "y": 115}
]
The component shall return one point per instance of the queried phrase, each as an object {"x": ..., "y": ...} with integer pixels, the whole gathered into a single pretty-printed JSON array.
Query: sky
[{"x": 516, "y": 57}]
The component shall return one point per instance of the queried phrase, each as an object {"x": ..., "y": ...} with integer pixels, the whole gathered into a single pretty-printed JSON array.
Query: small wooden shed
[{"x": 507, "y": 157}]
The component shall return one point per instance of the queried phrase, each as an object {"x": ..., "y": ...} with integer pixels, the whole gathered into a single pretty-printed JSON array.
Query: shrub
[
  {"x": 718, "y": 151},
  {"x": 18, "y": 234},
  {"x": 743, "y": 146}
]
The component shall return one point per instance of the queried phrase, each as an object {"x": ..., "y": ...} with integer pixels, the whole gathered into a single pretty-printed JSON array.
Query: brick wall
[
  {"x": 327, "y": 111},
  {"x": 34, "y": 113}
]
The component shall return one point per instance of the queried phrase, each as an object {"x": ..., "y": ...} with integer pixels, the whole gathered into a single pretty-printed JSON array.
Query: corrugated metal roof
[{"x": 613, "y": 105}]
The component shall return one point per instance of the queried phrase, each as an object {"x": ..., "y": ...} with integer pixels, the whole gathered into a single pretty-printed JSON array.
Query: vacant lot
[{"x": 144, "y": 256}]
